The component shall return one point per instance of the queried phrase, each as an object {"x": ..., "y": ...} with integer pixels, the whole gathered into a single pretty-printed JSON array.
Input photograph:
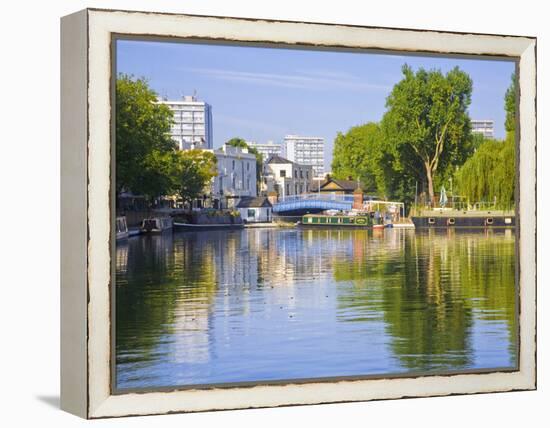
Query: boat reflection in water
[{"x": 272, "y": 304}]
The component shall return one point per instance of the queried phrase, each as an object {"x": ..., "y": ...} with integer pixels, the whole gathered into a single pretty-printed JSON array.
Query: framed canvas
[{"x": 382, "y": 246}]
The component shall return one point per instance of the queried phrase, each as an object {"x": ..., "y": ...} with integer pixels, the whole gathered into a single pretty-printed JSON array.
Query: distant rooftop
[
  {"x": 185, "y": 99},
  {"x": 301, "y": 137},
  {"x": 346, "y": 185},
  {"x": 268, "y": 143},
  {"x": 253, "y": 202},
  {"x": 277, "y": 159}
]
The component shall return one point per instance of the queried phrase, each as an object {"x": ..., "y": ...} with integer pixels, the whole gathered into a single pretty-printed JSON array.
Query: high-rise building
[
  {"x": 484, "y": 127},
  {"x": 306, "y": 151},
  {"x": 266, "y": 149},
  {"x": 192, "y": 128}
]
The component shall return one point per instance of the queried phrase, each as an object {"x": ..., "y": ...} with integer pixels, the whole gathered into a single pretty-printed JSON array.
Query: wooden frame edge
[
  {"x": 74, "y": 221},
  {"x": 99, "y": 402}
]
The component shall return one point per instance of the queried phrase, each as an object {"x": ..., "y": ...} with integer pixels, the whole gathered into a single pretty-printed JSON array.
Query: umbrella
[{"x": 443, "y": 197}]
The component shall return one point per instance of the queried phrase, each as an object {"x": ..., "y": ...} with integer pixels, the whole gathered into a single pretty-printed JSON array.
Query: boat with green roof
[{"x": 339, "y": 220}]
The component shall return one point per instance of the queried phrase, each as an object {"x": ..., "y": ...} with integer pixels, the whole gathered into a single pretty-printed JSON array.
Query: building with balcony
[
  {"x": 306, "y": 151},
  {"x": 266, "y": 149},
  {"x": 192, "y": 126},
  {"x": 483, "y": 127}
]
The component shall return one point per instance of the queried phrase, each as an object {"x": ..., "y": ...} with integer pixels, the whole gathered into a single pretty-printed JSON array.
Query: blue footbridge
[{"x": 298, "y": 205}]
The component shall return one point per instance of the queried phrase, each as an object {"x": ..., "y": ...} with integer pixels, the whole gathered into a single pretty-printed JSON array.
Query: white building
[
  {"x": 306, "y": 151},
  {"x": 255, "y": 210},
  {"x": 484, "y": 127},
  {"x": 266, "y": 149},
  {"x": 192, "y": 126},
  {"x": 285, "y": 177},
  {"x": 236, "y": 175}
]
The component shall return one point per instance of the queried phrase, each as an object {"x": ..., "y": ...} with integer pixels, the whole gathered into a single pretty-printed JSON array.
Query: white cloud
[{"x": 303, "y": 79}]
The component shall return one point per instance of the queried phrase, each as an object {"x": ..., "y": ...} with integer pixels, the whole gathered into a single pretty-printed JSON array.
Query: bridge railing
[{"x": 313, "y": 201}]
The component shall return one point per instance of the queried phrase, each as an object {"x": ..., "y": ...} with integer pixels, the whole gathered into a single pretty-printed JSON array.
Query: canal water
[{"x": 274, "y": 304}]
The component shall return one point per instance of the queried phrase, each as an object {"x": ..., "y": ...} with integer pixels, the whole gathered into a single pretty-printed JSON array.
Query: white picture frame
[{"x": 86, "y": 162}]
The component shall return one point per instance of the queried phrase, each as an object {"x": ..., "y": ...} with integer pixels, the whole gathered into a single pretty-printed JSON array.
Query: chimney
[
  {"x": 357, "y": 199},
  {"x": 272, "y": 197}
]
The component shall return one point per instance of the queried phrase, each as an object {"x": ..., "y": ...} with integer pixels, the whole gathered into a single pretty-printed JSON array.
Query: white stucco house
[
  {"x": 286, "y": 178},
  {"x": 236, "y": 175},
  {"x": 255, "y": 210}
]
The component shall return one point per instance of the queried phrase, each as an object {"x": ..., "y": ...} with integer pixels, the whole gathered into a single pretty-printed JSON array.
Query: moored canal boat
[
  {"x": 466, "y": 218},
  {"x": 157, "y": 225},
  {"x": 318, "y": 220},
  {"x": 121, "y": 228}
]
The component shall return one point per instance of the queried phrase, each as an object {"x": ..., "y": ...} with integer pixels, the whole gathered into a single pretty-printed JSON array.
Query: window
[
  {"x": 248, "y": 166},
  {"x": 282, "y": 173},
  {"x": 233, "y": 164},
  {"x": 431, "y": 220},
  {"x": 451, "y": 221},
  {"x": 251, "y": 213},
  {"x": 307, "y": 175},
  {"x": 301, "y": 174},
  {"x": 489, "y": 221}
]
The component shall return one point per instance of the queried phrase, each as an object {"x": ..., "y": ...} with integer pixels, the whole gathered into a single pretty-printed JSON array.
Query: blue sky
[{"x": 262, "y": 94}]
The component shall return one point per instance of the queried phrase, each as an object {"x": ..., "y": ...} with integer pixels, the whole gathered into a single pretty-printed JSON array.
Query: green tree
[
  {"x": 357, "y": 154},
  {"x": 427, "y": 124},
  {"x": 144, "y": 148},
  {"x": 239, "y": 142},
  {"x": 364, "y": 154},
  {"x": 489, "y": 175},
  {"x": 193, "y": 171},
  {"x": 510, "y": 105}
]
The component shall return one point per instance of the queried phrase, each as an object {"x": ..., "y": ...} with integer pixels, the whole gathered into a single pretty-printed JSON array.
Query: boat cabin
[
  {"x": 156, "y": 224},
  {"x": 121, "y": 228}
]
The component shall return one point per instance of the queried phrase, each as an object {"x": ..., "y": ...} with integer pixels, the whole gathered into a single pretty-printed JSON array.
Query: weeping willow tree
[{"x": 489, "y": 175}]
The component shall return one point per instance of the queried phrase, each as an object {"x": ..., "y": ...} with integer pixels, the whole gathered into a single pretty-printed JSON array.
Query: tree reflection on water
[{"x": 256, "y": 304}]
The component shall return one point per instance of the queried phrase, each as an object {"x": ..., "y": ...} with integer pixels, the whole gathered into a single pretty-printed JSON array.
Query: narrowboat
[
  {"x": 156, "y": 225},
  {"x": 336, "y": 220},
  {"x": 468, "y": 218},
  {"x": 121, "y": 228}
]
